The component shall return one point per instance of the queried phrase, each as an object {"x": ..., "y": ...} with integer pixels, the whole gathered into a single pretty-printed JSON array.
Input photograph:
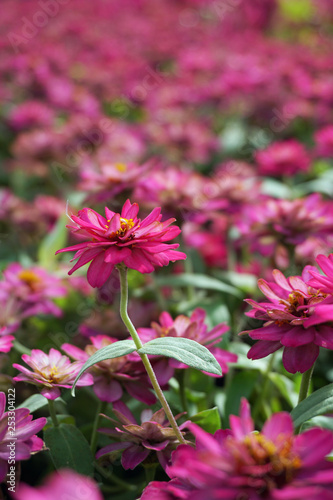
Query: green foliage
[
  {"x": 69, "y": 449},
  {"x": 209, "y": 420},
  {"x": 186, "y": 351},
  {"x": 318, "y": 403},
  {"x": 115, "y": 350}
]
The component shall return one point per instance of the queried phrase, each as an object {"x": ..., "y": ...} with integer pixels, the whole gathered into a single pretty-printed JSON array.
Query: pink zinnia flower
[
  {"x": 24, "y": 435},
  {"x": 51, "y": 371},
  {"x": 114, "y": 376},
  {"x": 62, "y": 484},
  {"x": 136, "y": 442},
  {"x": 283, "y": 158},
  {"x": 34, "y": 288},
  {"x": 193, "y": 328},
  {"x": 324, "y": 142},
  {"x": 291, "y": 321},
  {"x": 277, "y": 225},
  {"x": 122, "y": 238},
  {"x": 273, "y": 464}
]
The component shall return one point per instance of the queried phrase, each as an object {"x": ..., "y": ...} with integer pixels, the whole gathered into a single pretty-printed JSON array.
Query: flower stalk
[
  {"x": 305, "y": 384},
  {"x": 53, "y": 413},
  {"x": 151, "y": 374}
]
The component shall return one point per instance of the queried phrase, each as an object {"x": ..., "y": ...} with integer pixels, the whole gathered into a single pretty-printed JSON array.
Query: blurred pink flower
[
  {"x": 285, "y": 158},
  {"x": 323, "y": 282},
  {"x": 138, "y": 442},
  {"x": 193, "y": 328},
  {"x": 291, "y": 318},
  {"x": 50, "y": 372},
  {"x": 273, "y": 464},
  {"x": 122, "y": 238},
  {"x": 63, "y": 484},
  {"x": 113, "y": 377},
  {"x": 276, "y": 225},
  {"x": 324, "y": 142},
  {"x": 17, "y": 426},
  {"x": 33, "y": 288},
  {"x": 110, "y": 179}
]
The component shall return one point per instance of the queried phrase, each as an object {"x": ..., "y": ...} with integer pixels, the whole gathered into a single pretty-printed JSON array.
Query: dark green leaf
[
  {"x": 69, "y": 449},
  {"x": 209, "y": 420},
  {"x": 198, "y": 281},
  {"x": 241, "y": 386},
  {"x": 37, "y": 401},
  {"x": 184, "y": 350},
  {"x": 318, "y": 403},
  {"x": 114, "y": 350},
  {"x": 54, "y": 240}
]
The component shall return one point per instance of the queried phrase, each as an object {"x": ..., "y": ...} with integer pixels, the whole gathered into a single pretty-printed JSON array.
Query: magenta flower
[
  {"x": 291, "y": 318},
  {"x": 33, "y": 288},
  {"x": 322, "y": 282},
  {"x": 114, "y": 376},
  {"x": 192, "y": 328},
  {"x": 278, "y": 225},
  {"x": 273, "y": 464},
  {"x": 122, "y": 238},
  {"x": 138, "y": 442},
  {"x": 23, "y": 434},
  {"x": 50, "y": 371},
  {"x": 283, "y": 158},
  {"x": 61, "y": 484}
]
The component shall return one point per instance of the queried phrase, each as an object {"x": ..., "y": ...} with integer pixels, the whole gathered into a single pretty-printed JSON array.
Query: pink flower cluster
[
  {"x": 239, "y": 462},
  {"x": 298, "y": 316}
]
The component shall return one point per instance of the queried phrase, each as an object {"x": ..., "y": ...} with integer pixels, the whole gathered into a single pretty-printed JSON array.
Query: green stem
[
  {"x": 113, "y": 478},
  {"x": 150, "y": 471},
  {"x": 182, "y": 388},
  {"x": 188, "y": 265},
  {"x": 20, "y": 348},
  {"x": 305, "y": 384},
  {"x": 53, "y": 413},
  {"x": 101, "y": 407},
  {"x": 134, "y": 334},
  {"x": 262, "y": 396}
]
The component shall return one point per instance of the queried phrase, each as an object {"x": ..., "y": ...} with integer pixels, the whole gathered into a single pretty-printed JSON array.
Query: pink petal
[
  {"x": 299, "y": 359},
  {"x": 298, "y": 336},
  {"x": 278, "y": 425},
  {"x": 324, "y": 337},
  {"x": 87, "y": 256},
  {"x": 99, "y": 271},
  {"x": 262, "y": 349},
  {"x": 313, "y": 445},
  {"x": 133, "y": 456}
]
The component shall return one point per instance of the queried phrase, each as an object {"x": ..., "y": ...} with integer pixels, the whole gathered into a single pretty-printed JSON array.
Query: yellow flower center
[
  {"x": 121, "y": 167},
  {"x": 277, "y": 460},
  {"x": 125, "y": 225},
  {"x": 30, "y": 278}
]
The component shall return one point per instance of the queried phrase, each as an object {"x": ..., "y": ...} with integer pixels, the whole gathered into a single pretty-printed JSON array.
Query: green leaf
[
  {"x": 241, "y": 386},
  {"x": 276, "y": 189},
  {"x": 300, "y": 10},
  {"x": 209, "y": 420},
  {"x": 285, "y": 386},
  {"x": 69, "y": 449},
  {"x": 184, "y": 350},
  {"x": 244, "y": 281},
  {"x": 323, "y": 422},
  {"x": 114, "y": 350},
  {"x": 55, "y": 240},
  {"x": 318, "y": 403},
  {"x": 198, "y": 281},
  {"x": 62, "y": 419},
  {"x": 37, "y": 401}
]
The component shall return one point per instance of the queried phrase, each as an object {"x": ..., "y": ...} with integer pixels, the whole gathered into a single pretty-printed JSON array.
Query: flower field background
[{"x": 166, "y": 249}]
